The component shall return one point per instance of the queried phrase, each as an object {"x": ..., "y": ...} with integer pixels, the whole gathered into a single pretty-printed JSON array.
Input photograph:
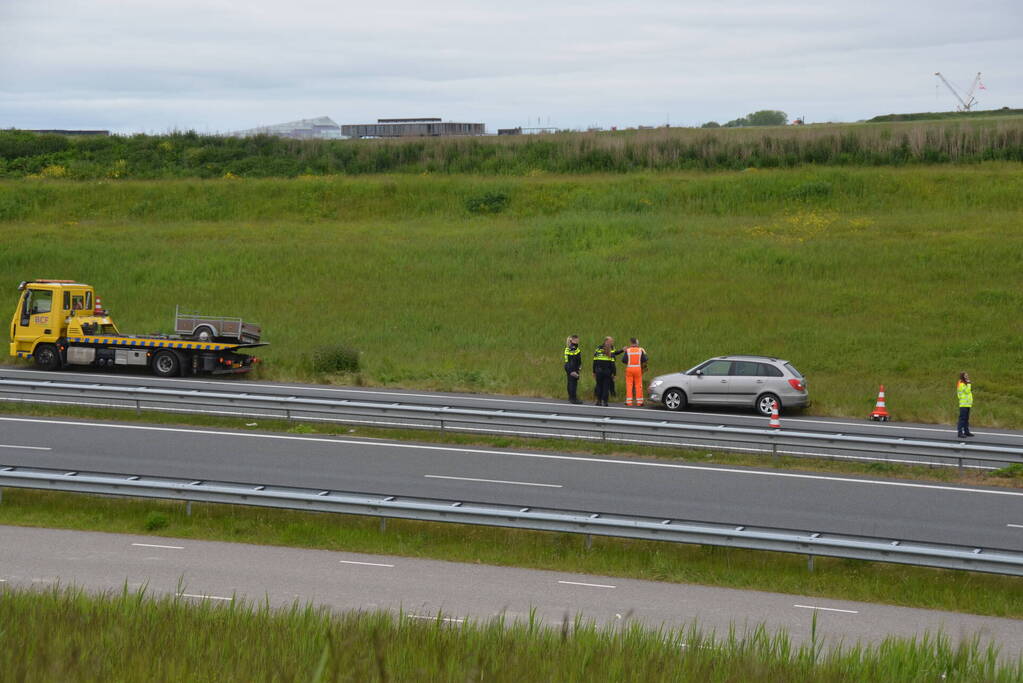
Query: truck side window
[
  {"x": 88, "y": 301},
  {"x": 77, "y": 302},
  {"x": 67, "y": 301}
]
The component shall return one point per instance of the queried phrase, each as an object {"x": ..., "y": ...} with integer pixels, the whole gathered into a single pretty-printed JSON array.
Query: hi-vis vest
[
  {"x": 569, "y": 351},
  {"x": 965, "y": 393},
  {"x": 600, "y": 355},
  {"x": 635, "y": 356}
]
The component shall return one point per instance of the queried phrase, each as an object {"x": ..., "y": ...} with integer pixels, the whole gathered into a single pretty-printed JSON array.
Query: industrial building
[
  {"x": 322, "y": 128},
  {"x": 401, "y": 128}
]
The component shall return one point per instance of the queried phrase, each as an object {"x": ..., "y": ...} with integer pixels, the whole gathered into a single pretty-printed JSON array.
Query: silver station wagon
[{"x": 753, "y": 381}]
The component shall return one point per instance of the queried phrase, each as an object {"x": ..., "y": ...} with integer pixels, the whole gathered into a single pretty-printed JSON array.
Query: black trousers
[
  {"x": 603, "y": 390},
  {"x": 964, "y": 422},
  {"x": 573, "y": 386}
]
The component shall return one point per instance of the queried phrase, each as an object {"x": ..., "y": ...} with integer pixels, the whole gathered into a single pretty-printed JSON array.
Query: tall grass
[
  {"x": 860, "y": 277},
  {"x": 67, "y": 635},
  {"x": 184, "y": 155}
]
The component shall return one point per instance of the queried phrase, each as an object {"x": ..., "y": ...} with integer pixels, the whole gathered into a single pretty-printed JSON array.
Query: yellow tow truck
[{"x": 61, "y": 323}]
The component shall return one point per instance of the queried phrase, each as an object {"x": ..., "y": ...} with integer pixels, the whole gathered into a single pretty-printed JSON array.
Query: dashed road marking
[
  {"x": 827, "y": 609},
  {"x": 591, "y": 585},
  {"x": 1015, "y": 526},
  {"x": 26, "y": 448},
  {"x": 153, "y": 545},
  {"x": 493, "y": 481},
  {"x": 434, "y": 618},
  {"x": 367, "y": 564},
  {"x": 203, "y": 597}
]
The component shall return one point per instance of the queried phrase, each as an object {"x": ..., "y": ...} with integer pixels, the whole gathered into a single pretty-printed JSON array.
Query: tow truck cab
[{"x": 45, "y": 311}]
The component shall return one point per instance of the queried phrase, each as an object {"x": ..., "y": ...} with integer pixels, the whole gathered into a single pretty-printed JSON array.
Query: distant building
[
  {"x": 510, "y": 131},
  {"x": 322, "y": 128},
  {"x": 401, "y": 128}
]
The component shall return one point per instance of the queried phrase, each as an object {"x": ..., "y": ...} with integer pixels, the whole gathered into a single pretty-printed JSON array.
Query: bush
[
  {"x": 487, "y": 203},
  {"x": 336, "y": 358},
  {"x": 156, "y": 521},
  {"x": 1013, "y": 471}
]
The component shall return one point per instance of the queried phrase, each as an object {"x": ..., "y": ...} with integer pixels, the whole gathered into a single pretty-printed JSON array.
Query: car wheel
[
  {"x": 674, "y": 399},
  {"x": 46, "y": 357},
  {"x": 166, "y": 364},
  {"x": 204, "y": 334},
  {"x": 765, "y": 404}
]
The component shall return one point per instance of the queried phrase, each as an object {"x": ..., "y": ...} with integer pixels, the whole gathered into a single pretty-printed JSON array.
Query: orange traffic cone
[
  {"x": 775, "y": 422},
  {"x": 880, "y": 413},
  {"x": 98, "y": 308}
]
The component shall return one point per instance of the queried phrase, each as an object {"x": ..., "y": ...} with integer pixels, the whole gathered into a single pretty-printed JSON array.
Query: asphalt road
[
  {"x": 222, "y": 572},
  {"x": 509, "y": 425},
  {"x": 912, "y": 511}
]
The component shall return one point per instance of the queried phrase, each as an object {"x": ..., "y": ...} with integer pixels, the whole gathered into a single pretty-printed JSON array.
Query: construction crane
[{"x": 967, "y": 101}]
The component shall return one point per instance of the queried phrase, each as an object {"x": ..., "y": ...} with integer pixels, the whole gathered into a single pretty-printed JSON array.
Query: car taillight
[{"x": 797, "y": 384}]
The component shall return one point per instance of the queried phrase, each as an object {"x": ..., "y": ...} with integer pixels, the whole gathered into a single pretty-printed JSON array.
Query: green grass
[
  {"x": 860, "y": 277},
  {"x": 68, "y": 635},
  {"x": 776, "y": 572}
]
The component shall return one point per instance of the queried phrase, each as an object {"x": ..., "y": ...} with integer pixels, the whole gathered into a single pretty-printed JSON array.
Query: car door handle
[{"x": 724, "y": 381}]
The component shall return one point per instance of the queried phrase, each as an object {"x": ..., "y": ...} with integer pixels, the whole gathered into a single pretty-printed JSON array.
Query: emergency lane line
[
  {"x": 1015, "y": 526},
  {"x": 153, "y": 545},
  {"x": 539, "y": 456},
  {"x": 590, "y": 585},
  {"x": 433, "y": 618},
  {"x": 203, "y": 597},
  {"x": 493, "y": 481},
  {"x": 560, "y": 404},
  {"x": 367, "y": 564},
  {"x": 27, "y": 448},
  {"x": 828, "y": 609}
]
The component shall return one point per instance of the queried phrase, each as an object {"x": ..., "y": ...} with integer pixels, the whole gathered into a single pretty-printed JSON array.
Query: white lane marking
[
  {"x": 520, "y": 454},
  {"x": 827, "y": 609},
  {"x": 1015, "y": 526},
  {"x": 591, "y": 585},
  {"x": 561, "y": 404},
  {"x": 27, "y": 448},
  {"x": 368, "y": 564},
  {"x": 428, "y": 617},
  {"x": 153, "y": 545},
  {"x": 493, "y": 481},
  {"x": 203, "y": 597}
]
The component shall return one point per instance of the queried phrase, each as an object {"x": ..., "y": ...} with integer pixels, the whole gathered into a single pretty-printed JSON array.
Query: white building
[{"x": 322, "y": 128}]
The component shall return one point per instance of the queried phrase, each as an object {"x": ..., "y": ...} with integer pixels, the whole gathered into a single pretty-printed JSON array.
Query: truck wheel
[
  {"x": 46, "y": 357},
  {"x": 204, "y": 334},
  {"x": 166, "y": 364}
]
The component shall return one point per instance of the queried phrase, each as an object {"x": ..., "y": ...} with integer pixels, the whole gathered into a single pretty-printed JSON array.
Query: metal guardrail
[
  {"x": 995, "y": 561},
  {"x": 393, "y": 414}
]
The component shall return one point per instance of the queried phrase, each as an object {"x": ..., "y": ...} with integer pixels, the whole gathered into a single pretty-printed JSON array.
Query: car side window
[
  {"x": 769, "y": 371},
  {"x": 717, "y": 368},
  {"x": 745, "y": 368}
]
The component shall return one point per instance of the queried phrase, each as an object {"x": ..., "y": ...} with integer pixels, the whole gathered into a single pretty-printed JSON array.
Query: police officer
[
  {"x": 964, "y": 392},
  {"x": 573, "y": 364},
  {"x": 604, "y": 369}
]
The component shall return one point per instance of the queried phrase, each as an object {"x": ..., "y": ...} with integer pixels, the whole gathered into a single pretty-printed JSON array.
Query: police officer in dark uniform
[
  {"x": 573, "y": 364},
  {"x": 604, "y": 369}
]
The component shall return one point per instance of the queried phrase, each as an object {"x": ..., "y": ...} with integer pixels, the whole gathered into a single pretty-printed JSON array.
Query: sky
[{"x": 133, "y": 66}]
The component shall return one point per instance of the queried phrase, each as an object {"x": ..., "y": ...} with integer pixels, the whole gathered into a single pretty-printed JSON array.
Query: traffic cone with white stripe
[
  {"x": 775, "y": 422},
  {"x": 880, "y": 413}
]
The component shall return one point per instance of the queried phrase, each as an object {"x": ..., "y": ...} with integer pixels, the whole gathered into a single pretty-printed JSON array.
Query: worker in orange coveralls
[{"x": 634, "y": 357}]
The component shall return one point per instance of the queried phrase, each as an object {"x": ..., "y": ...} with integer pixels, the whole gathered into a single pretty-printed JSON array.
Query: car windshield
[{"x": 793, "y": 370}]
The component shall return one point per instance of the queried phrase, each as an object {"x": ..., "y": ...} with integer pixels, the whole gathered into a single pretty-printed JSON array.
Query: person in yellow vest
[
  {"x": 634, "y": 357},
  {"x": 964, "y": 392},
  {"x": 573, "y": 364},
  {"x": 604, "y": 370}
]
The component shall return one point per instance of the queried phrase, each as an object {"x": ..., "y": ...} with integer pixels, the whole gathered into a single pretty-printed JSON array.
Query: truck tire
[
  {"x": 46, "y": 357},
  {"x": 166, "y": 364},
  {"x": 204, "y": 334}
]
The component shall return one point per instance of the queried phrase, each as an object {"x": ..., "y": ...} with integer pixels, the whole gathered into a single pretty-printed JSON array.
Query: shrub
[
  {"x": 156, "y": 521},
  {"x": 335, "y": 358},
  {"x": 487, "y": 203}
]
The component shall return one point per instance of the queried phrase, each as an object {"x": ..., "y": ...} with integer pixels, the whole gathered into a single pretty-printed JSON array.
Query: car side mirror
[{"x": 698, "y": 373}]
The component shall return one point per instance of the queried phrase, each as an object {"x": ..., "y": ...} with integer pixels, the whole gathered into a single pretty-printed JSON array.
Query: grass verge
[{"x": 66, "y": 634}]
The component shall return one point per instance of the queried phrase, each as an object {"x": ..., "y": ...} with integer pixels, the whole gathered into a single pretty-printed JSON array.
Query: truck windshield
[{"x": 38, "y": 301}]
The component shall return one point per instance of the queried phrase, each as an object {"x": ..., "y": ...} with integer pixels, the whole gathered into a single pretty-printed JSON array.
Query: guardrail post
[
  {"x": 442, "y": 424},
  {"x": 589, "y": 541},
  {"x": 809, "y": 563},
  {"x": 774, "y": 449},
  {"x": 138, "y": 406},
  {"x": 1, "y": 495},
  {"x": 188, "y": 508},
  {"x": 383, "y": 524},
  {"x": 287, "y": 414}
]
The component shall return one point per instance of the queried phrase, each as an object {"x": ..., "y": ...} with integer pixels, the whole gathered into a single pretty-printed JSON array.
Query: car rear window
[
  {"x": 767, "y": 370},
  {"x": 793, "y": 370}
]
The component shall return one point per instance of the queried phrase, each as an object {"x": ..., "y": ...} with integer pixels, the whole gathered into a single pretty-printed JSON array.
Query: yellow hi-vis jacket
[{"x": 964, "y": 391}]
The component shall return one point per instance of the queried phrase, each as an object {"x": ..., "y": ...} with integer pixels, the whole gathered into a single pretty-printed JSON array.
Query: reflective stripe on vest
[
  {"x": 571, "y": 352},
  {"x": 965, "y": 393},
  {"x": 635, "y": 354},
  {"x": 600, "y": 355}
]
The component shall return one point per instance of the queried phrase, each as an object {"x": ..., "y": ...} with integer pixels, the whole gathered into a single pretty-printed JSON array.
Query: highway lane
[
  {"x": 221, "y": 572},
  {"x": 918, "y": 511},
  {"x": 737, "y": 418}
]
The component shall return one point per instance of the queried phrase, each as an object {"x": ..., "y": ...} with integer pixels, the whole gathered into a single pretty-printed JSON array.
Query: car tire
[
  {"x": 764, "y": 404},
  {"x": 46, "y": 357},
  {"x": 674, "y": 399},
  {"x": 166, "y": 364}
]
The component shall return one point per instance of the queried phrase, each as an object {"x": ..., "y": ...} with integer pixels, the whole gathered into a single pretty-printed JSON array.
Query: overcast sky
[{"x": 221, "y": 65}]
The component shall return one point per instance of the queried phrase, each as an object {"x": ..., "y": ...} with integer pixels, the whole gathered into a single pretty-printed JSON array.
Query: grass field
[
  {"x": 858, "y": 276},
  {"x": 66, "y": 635}
]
